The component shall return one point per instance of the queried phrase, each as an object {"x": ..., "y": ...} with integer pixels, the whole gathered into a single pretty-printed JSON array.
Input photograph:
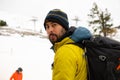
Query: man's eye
[
  {"x": 54, "y": 24},
  {"x": 47, "y": 27}
]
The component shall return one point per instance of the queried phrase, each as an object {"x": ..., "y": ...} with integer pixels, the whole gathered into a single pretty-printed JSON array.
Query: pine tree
[
  {"x": 3, "y": 23},
  {"x": 100, "y": 20}
]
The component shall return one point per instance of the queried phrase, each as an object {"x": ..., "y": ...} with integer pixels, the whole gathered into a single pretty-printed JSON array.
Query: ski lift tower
[
  {"x": 76, "y": 19},
  {"x": 34, "y": 19}
]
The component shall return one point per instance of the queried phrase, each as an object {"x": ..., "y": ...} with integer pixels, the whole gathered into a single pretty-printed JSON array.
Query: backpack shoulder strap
[{"x": 78, "y": 44}]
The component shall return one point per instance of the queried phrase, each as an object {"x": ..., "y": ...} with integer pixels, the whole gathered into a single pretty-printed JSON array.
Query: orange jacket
[{"x": 16, "y": 76}]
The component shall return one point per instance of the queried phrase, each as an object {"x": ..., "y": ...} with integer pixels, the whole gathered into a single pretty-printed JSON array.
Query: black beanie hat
[
  {"x": 20, "y": 69},
  {"x": 58, "y": 16}
]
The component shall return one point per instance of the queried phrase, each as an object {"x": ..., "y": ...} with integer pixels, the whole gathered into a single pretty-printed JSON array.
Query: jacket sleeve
[
  {"x": 65, "y": 64},
  {"x": 11, "y": 78}
]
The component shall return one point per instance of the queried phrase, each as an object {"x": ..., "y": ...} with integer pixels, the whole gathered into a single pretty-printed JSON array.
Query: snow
[{"x": 32, "y": 53}]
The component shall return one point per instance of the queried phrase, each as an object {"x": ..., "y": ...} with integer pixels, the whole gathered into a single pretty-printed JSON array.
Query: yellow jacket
[{"x": 69, "y": 61}]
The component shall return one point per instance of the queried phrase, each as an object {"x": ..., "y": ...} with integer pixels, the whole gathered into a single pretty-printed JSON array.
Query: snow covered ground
[{"x": 32, "y": 53}]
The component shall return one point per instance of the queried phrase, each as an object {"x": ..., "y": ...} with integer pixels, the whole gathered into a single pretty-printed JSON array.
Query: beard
[
  {"x": 53, "y": 38},
  {"x": 56, "y": 38}
]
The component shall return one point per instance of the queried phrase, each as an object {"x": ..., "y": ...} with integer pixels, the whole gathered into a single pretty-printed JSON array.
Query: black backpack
[{"x": 103, "y": 57}]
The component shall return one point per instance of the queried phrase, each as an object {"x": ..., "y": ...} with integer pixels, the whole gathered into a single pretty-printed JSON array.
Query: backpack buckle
[{"x": 102, "y": 58}]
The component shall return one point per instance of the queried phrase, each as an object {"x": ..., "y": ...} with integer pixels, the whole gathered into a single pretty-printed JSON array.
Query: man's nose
[{"x": 51, "y": 28}]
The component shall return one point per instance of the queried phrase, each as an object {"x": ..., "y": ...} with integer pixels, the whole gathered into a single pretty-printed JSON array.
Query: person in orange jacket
[{"x": 17, "y": 75}]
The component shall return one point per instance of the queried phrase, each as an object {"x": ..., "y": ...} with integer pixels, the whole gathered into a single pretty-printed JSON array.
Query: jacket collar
[{"x": 65, "y": 41}]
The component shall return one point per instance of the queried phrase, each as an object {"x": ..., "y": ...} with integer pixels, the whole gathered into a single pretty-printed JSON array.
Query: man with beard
[{"x": 69, "y": 60}]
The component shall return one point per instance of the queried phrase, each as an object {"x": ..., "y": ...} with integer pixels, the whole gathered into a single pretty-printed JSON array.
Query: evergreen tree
[
  {"x": 100, "y": 20},
  {"x": 3, "y": 23}
]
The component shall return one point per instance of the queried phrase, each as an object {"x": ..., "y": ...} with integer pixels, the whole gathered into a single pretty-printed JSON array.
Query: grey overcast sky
[{"x": 39, "y": 9}]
